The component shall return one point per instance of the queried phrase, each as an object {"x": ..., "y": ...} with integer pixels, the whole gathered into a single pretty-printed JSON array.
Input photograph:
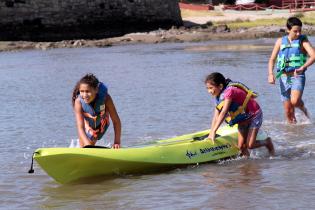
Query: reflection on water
[
  {"x": 159, "y": 93},
  {"x": 77, "y": 194},
  {"x": 245, "y": 175}
]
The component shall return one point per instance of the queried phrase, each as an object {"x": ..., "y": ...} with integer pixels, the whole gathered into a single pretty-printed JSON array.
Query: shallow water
[{"x": 159, "y": 93}]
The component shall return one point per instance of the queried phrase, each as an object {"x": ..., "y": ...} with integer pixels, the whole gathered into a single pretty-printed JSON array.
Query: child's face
[
  {"x": 87, "y": 93},
  {"x": 213, "y": 89},
  {"x": 295, "y": 32}
]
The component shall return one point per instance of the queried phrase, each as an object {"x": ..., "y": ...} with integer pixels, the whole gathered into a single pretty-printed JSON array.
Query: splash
[
  {"x": 74, "y": 143},
  {"x": 302, "y": 119}
]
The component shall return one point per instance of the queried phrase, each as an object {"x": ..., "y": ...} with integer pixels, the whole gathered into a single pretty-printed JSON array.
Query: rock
[
  {"x": 209, "y": 23},
  {"x": 196, "y": 32},
  {"x": 188, "y": 24},
  {"x": 76, "y": 43},
  {"x": 222, "y": 28},
  {"x": 102, "y": 43},
  {"x": 203, "y": 26},
  {"x": 126, "y": 39}
]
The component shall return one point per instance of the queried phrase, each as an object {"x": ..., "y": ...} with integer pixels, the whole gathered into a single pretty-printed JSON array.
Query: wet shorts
[
  {"x": 254, "y": 122},
  {"x": 288, "y": 83}
]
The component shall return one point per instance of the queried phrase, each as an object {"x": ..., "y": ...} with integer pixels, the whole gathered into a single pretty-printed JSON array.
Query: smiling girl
[
  {"x": 237, "y": 105},
  {"x": 93, "y": 107}
]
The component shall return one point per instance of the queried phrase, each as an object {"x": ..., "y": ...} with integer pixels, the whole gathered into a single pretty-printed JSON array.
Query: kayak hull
[{"x": 67, "y": 165}]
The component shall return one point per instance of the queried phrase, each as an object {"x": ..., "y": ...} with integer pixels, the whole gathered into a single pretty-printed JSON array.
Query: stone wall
[{"x": 52, "y": 20}]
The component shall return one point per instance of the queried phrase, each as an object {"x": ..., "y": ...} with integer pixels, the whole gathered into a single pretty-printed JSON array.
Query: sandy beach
[{"x": 198, "y": 26}]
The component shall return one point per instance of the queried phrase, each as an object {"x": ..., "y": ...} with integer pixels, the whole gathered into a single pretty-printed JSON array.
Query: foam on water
[{"x": 74, "y": 143}]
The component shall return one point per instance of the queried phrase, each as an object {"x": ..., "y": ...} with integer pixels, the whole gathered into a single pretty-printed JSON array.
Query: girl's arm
[
  {"x": 214, "y": 120},
  {"x": 115, "y": 119},
  {"x": 220, "y": 118},
  {"x": 215, "y": 117},
  {"x": 272, "y": 60},
  {"x": 311, "y": 52},
  {"x": 84, "y": 140}
]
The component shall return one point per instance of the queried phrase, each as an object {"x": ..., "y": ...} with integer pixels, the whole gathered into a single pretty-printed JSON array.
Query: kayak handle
[
  {"x": 31, "y": 169},
  {"x": 94, "y": 146},
  {"x": 199, "y": 138}
]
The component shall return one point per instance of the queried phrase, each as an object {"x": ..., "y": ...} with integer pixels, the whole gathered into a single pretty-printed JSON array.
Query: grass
[
  {"x": 254, "y": 23},
  {"x": 307, "y": 18}
]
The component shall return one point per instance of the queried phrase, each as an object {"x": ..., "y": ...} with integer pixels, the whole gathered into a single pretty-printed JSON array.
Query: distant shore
[{"x": 196, "y": 28}]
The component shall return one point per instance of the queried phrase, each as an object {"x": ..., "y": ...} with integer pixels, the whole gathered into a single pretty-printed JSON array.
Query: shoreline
[
  {"x": 174, "y": 35},
  {"x": 195, "y": 29}
]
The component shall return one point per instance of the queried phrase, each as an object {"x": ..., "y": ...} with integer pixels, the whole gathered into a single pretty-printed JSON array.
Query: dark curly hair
[{"x": 89, "y": 79}]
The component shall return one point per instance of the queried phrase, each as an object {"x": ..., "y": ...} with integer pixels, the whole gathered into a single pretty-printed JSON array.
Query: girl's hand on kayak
[{"x": 116, "y": 146}]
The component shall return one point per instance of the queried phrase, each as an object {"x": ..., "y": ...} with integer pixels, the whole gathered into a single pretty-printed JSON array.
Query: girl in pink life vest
[
  {"x": 93, "y": 107},
  {"x": 236, "y": 103}
]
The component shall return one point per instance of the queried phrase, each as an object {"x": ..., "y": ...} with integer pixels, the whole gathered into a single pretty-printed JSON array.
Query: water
[{"x": 159, "y": 93}]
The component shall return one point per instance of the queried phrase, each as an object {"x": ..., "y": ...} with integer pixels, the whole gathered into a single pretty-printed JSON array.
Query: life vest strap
[
  {"x": 294, "y": 45},
  {"x": 293, "y": 62},
  {"x": 278, "y": 75},
  {"x": 220, "y": 105},
  {"x": 242, "y": 108}
]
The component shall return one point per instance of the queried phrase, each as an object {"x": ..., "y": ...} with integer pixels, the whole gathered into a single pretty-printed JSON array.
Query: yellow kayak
[{"x": 72, "y": 164}]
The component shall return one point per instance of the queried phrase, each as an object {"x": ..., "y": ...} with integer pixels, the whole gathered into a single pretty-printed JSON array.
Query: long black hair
[
  {"x": 89, "y": 79},
  {"x": 217, "y": 79}
]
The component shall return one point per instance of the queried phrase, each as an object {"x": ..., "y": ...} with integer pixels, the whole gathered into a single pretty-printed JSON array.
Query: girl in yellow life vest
[
  {"x": 236, "y": 103},
  {"x": 291, "y": 53}
]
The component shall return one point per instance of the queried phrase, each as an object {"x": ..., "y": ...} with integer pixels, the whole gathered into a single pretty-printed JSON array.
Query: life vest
[
  {"x": 236, "y": 111},
  {"x": 96, "y": 119},
  {"x": 290, "y": 56}
]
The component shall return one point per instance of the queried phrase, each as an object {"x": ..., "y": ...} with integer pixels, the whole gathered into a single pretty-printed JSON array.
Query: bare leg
[
  {"x": 289, "y": 112},
  {"x": 296, "y": 101},
  {"x": 82, "y": 144},
  {"x": 270, "y": 146},
  {"x": 242, "y": 143},
  {"x": 252, "y": 143},
  {"x": 304, "y": 110}
]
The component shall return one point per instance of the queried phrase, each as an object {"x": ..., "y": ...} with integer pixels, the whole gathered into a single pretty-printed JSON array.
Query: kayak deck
[{"x": 70, "y": 164}]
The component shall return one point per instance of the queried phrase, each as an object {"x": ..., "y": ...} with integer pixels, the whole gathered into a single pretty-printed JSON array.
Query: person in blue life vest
[
  {"x": 236, "y": 104},
  {"x": 293, "y": 54},
  {"x": 93, "y": 109}
]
